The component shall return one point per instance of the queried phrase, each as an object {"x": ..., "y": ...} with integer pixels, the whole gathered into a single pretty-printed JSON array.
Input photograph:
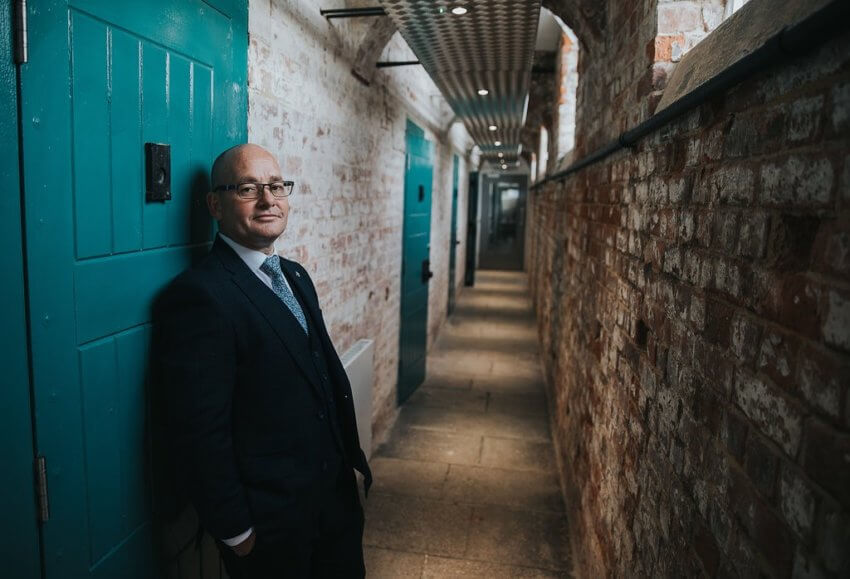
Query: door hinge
[
  {"x": 41, "y": 489},
  {"x": 21, "y": 49}
]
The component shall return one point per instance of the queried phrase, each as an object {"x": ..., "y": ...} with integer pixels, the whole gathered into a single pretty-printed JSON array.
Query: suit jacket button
[{"x": 321, "y": 415}]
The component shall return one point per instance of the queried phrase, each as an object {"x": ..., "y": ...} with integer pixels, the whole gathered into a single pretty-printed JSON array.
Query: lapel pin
[{"x": 297, "y": 274}]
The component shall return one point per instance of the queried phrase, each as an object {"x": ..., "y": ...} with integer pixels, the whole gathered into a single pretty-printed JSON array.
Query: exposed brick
[
  {"x": 797, "y": 182},
  {"x": 841, "y": 107},
  {"x": 778, "y": 357},
  {"x": 677, "y": 17},
  {"x": 826, "y": 459},
  {"x": 733, "y": 433},
  {"x": 805, "y": 567},
  {"x": 832, "y": 246},
  {"x": 836, "y": 325},
  {"x": 763, "y": 527},
  {"x": 773, "y": 413},
  {"x": 745, "y": 338},
  {"x": 822, "y": 378},
  {"x": 761, "y": 465},
  {"x": 833, "y": 536},
  {"x": 796, "y": 501},
  {"x": 804, "y": 119},
  {"x": 729, "y": 184},
  {"x": 752, "y": 239}
]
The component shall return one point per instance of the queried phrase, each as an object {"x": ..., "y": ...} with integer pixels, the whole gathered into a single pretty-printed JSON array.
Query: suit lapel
[{"x": 269, "y": 305}]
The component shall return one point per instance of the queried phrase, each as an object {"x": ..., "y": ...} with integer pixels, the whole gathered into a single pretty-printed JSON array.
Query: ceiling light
[
  {"x": 459, "y": 10},
  {"x": 483, "y": 91},
  {"x": 498, "y": 143},
  {"x": 493, "y": 127},
  {"x": 504, "y": 166},
  {"x": 501, "y": 155}
]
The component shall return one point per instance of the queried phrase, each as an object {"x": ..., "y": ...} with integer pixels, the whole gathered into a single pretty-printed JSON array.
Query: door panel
[
  {"x": 98, "y": 253},
  {"x": 415, "y": 252}
]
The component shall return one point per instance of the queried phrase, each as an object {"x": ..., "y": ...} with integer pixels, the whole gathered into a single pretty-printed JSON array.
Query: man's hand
[{"x": 244, "y": 548}]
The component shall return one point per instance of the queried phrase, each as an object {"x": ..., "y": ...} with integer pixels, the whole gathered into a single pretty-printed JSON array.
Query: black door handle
[{"x": 426, "y": 271}]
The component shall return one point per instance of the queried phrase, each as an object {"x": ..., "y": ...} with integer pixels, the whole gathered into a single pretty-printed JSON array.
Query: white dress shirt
[{"x": 253, "y": 259}]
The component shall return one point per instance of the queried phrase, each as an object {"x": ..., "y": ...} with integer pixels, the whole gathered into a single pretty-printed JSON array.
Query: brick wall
[
  {"x": 693, "y": 300},
  {"x": 343, "y": 143}
]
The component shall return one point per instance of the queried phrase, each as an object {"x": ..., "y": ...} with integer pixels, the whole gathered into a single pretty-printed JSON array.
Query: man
[{"x": 259, "y": 404}]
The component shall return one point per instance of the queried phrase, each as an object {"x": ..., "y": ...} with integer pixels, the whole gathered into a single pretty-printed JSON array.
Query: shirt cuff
[{"x": 233, "y": 541}]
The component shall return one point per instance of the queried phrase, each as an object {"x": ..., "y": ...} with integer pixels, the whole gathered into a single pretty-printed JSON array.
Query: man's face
[{"x": 254, "y": 223}]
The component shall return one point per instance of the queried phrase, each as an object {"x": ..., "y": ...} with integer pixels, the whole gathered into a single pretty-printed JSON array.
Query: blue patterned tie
[{"x": 271, "y": 267}]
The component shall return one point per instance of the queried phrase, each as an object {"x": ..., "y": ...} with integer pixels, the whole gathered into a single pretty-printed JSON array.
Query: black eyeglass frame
[{"x": 289, "y": 187}]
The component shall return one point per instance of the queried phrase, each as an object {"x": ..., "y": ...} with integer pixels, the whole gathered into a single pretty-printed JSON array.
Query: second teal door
[{"x": 415, "y": 268}]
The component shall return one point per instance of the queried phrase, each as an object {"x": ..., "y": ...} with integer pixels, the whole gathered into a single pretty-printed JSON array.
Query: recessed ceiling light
[
  {"x": 501, "y": 155},
  {"x": 504, "y": 166},
  {"x": 493, "y": 127},
  {"x": 483, "y": 91},
  {"x": 459, "y": 10},
  {"x": 498, "y": 143}
]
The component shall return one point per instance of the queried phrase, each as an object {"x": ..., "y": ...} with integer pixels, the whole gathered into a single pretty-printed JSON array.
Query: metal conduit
[{"x": 812, "y": 31}]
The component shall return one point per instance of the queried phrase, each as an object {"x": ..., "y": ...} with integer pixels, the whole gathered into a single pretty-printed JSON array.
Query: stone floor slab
[
  {"x": 517, "y": 537},
  {"x": 476, "y": 424},
  {"x": 389, "y": 564},
  {"x": 433, "y": 446},
  {"x": 417, "y": 525},
  {"x": 530, "y": 490},
  {"x": 526, "y": 404},
  {"x": 408, "y": 477},
  {"x": 442, "y": 567},
  {"x": 449, "y": 398},
  {"x": 518, "y": 454}
]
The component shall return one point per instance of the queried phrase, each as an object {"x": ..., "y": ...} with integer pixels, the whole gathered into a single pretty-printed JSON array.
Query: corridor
[{"x": 466, "y": 484}]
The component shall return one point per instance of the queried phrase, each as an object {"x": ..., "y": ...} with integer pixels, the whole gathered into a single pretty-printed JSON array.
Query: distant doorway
[{"x": 503, "y": 221}]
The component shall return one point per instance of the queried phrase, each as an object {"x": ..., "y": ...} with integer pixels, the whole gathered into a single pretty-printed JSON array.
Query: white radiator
[{"x": 357, "y": 362}]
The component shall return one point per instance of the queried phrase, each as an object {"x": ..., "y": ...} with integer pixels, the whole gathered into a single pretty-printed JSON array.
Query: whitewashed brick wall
[{"x": 343, "y": 144}]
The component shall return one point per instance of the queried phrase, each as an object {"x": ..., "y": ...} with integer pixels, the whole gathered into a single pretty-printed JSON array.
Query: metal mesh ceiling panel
[{"x": 490, "y": 47}]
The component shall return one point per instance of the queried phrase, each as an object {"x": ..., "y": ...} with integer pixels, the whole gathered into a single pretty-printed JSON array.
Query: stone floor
[{"x": 466, "y": 484}]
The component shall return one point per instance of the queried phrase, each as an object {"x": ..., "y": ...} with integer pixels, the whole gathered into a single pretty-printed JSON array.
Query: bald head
[
  {"x": 228, "y": 163},
  {"x": 252, "y": 222}
]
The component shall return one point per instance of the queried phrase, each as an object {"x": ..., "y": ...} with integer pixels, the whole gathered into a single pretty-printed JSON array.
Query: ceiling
[{"x": 490, "y": 47}]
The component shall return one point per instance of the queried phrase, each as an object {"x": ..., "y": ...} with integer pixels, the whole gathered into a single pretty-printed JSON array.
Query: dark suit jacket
[{"x": 245, "y": 405}]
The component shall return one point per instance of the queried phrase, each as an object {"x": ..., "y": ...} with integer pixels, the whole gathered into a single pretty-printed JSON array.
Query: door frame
[
  {"x": 453, "y": 240},
  {"x": 20, "y": 549}
]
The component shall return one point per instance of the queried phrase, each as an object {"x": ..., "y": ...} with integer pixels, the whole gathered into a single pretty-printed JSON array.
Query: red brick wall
[{"x": 693, "y": 299}]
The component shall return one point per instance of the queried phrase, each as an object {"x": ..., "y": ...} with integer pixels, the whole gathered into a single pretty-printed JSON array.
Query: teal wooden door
[
  {"x": 103, "y": 78},
  {"x": 415, "y": 266},
  {"x": 453, "y": 239}
]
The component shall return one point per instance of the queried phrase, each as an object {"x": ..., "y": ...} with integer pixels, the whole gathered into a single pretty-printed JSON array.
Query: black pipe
[
  {"x": 397, "y": 63},
  {"x": 353, "y": 12},
  {"x": 810, "y": 32}
]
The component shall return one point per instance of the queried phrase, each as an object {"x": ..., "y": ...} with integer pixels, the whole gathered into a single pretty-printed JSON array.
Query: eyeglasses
[{"x": 279, "y": 189}]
